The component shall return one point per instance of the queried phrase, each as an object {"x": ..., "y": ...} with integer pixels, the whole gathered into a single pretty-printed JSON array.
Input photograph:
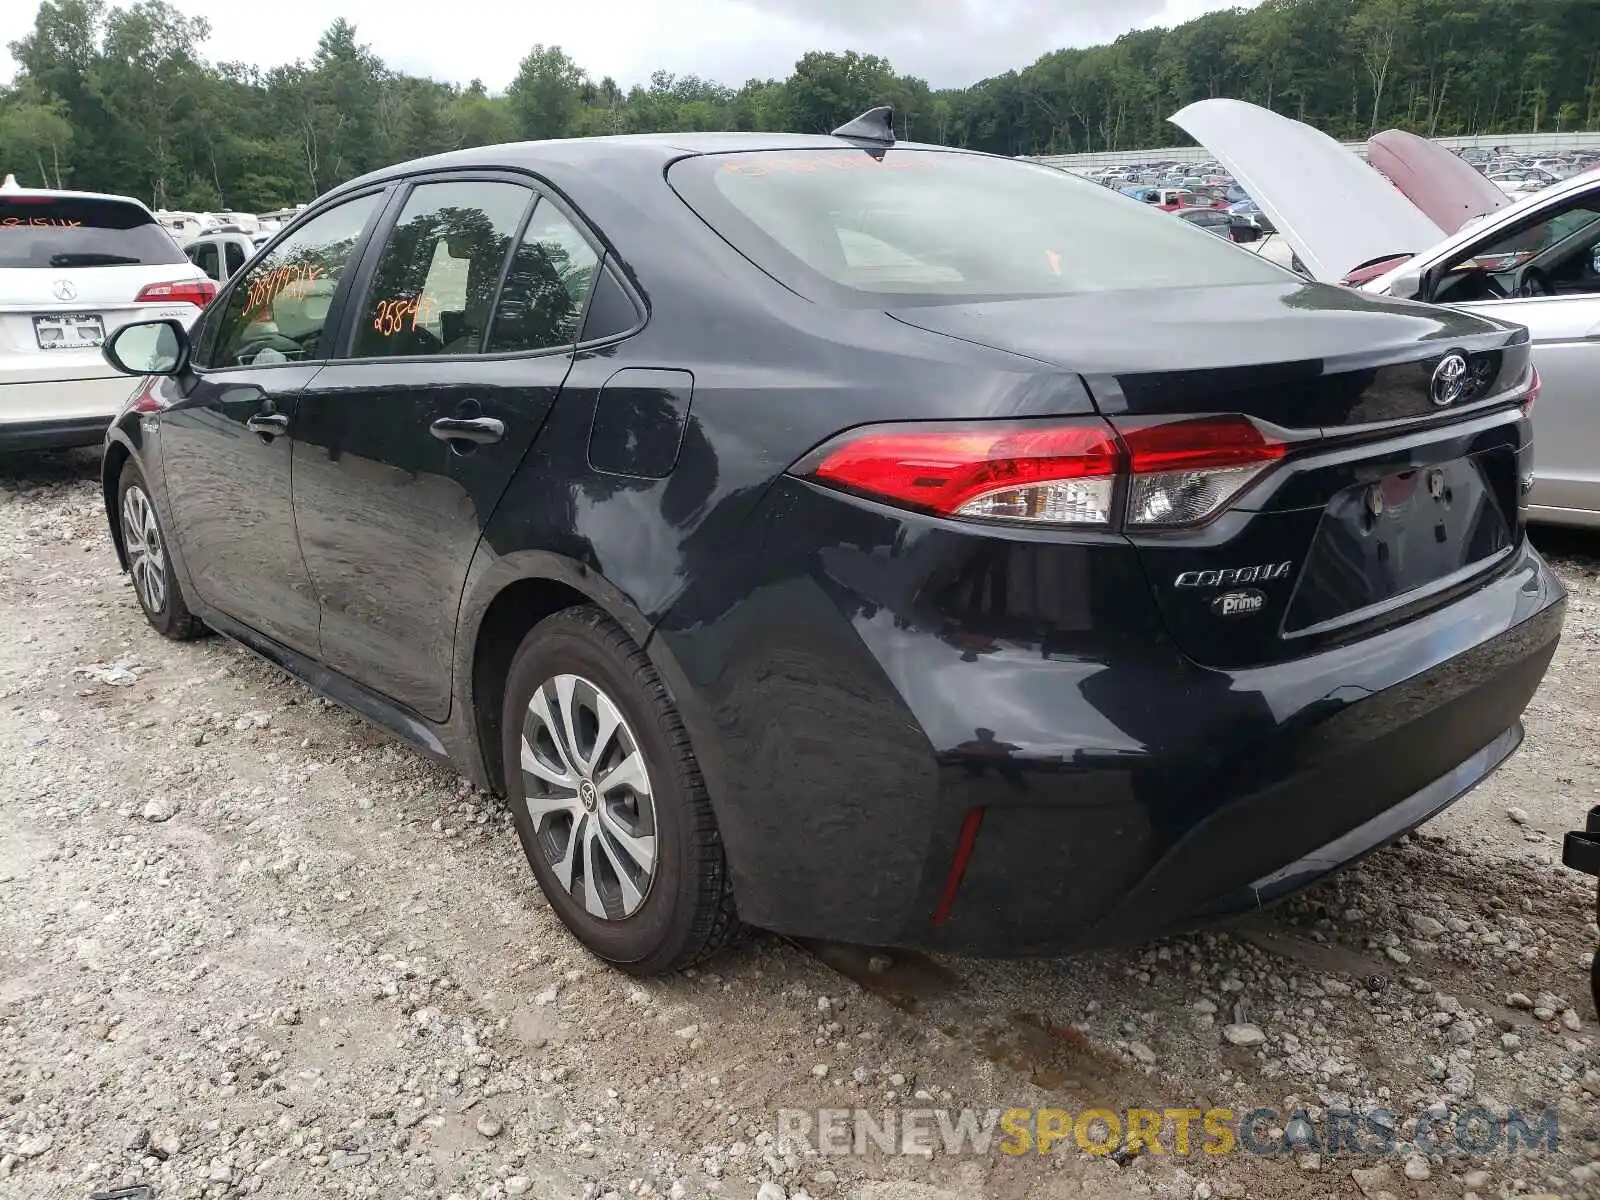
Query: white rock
[
  {"x": 1475, "y": 1181},
  {"x": 1571, "y": 1021},
  {"x": 687, "y": 1032},
  {"x": 33, "y": 1147},
  {"x": 1204, "y": 1007},
  {"x": 220, "y": 1172},
  {"x": 489, "y": 1127},
  {"x": 771, "y": 1191},
  {"x": 820, "y": 1070},
  {"x": 518, "y": 1185},
  {"x": 1244, "y": 1035},
  {"x": 1142, "y": 1052},
  {"x": 1417, "y": 1168},
  {"x": 1426, "y": 926},
  {"x": 160, "y": 808},
  {"x": 1520, "y": 816},
  {"x": 547, "y": 997}
]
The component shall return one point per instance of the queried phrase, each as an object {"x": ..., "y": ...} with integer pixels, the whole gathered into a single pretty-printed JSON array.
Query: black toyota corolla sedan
[{"x": 859, "y": 540}]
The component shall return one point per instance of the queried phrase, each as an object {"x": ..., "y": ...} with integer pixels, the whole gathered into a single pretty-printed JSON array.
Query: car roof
[
  {"x": 646, "y": 150},
  {"x": 10, "y": 187}
]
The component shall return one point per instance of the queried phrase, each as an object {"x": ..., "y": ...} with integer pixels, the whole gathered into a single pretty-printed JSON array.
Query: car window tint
[
  {"x": 278, "y": 309},
  {"x": 236, "y": 257},
  {"x": 549, "y": 281},
  {"x": 48, "y": 232},
  {"x": 434, "y": 287},
  {"x": 945, "y": 226}
]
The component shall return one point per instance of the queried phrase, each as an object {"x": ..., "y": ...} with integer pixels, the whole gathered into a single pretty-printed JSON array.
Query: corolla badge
[
  {"x": 64, "y": 289},
  {"x": 1449, "y": 379},
  {"x": 1233, "y": 576}
]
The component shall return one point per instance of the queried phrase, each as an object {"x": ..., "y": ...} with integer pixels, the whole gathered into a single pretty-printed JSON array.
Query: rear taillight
[
  {"x": 145, "y": 399},
  {"x": 1532, "y": 396},
  {"x": 1171, "y": 473},
  {"x": 1185, "y": 471},
  {"x": 197, "y": 292},
  {"x": 1060, "y": 474}
]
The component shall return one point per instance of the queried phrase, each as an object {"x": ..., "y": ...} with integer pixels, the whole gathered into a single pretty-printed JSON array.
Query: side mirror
[
  {"x": 148, "y": 348},
  {"x": 1409, "y": 286}
]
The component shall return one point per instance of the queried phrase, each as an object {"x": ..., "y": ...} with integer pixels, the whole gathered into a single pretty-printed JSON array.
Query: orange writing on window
[
  {"x": 401, "y": 314},
  {"x": 293, "y": 282},
  {"x": 37, "y": 222}
]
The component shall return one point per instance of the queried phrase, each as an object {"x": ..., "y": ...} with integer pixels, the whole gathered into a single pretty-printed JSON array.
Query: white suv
[{"x": 73, "y": 267}]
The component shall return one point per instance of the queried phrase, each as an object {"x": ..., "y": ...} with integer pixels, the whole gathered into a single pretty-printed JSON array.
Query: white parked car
[
  {"x": 222, "y": 255},
  {"x": 73, "y": 267}
]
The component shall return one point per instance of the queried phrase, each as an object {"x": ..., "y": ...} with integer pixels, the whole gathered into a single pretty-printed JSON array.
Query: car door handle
[
  {"x": 481, "y": 431},
  {"x": 268, "y": 424}
]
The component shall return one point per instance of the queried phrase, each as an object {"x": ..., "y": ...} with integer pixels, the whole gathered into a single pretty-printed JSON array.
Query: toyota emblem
[
  {"x": 1449, "y": 379},
  {"x": 63, "y": 289}
]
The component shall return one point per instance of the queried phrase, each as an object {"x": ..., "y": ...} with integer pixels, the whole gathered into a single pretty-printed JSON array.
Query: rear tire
[
  {"x": 608, "y": 799},
  {"x": 144, "y": 542}
]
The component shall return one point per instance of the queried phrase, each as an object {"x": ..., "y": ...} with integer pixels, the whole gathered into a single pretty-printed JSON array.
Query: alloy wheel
[
  {"x": 589, "y": 799},
  {"x": 147, "y": 558}
]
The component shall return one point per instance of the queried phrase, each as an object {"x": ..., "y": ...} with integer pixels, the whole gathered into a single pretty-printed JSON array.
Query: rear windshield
[
  {"x": 855, "y": 227},
  {"x": 59, "y": 232}
]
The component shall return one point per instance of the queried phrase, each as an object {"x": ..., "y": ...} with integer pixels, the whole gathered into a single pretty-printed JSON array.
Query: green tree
[
  {"x": 38, "y": 133},
  {"x": 547, "y": 93}
]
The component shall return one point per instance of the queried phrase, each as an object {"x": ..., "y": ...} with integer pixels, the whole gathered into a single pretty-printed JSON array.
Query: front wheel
[
  {"x": 150, "y": 566},
  {"x": 608, "y": 799}
]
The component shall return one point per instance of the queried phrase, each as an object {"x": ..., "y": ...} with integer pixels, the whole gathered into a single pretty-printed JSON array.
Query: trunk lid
[{"x": 1400, "y": 479}]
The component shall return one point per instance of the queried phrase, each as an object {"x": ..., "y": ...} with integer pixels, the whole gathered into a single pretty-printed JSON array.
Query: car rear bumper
[
  {"x": 1116, "y": 789},
  {"x": 59, "y": 413}
]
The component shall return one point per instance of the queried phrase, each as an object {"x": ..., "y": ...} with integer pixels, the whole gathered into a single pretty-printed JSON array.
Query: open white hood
[{"x": 1335, "y": 210}]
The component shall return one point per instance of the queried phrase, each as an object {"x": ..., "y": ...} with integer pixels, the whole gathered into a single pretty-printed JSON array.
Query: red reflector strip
[
  {"x": 943, "y": 469},
  {"x": 1204, "y": 443},
  {"x": 958, "y": 866},
  {"x": 1534, "y": 385}
]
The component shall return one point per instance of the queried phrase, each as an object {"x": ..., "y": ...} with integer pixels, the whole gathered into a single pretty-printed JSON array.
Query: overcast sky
[{"x": 948, "y": 42}]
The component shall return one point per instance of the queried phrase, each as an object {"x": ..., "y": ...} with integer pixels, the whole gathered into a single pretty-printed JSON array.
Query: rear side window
[
  {"x": 433, "y": 291},
  {"x": 236, "y": 257},
  {"x": 922, "y": 226},
  {"x": 59, "y": 232},
  {"x": 547, "y": 287}
]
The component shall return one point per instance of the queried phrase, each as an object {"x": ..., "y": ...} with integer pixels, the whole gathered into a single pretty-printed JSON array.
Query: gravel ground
[{"x": 250, "y": 946}]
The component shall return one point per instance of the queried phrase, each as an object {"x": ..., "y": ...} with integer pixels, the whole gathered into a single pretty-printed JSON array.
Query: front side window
[
  {"x": 278, "y": 310},
  {"x": 1556, "y": 253},
  {"x": 434, "y": 288},
  {"x": 930, "y": 226},
  {"x": 547, "y": 286}
]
